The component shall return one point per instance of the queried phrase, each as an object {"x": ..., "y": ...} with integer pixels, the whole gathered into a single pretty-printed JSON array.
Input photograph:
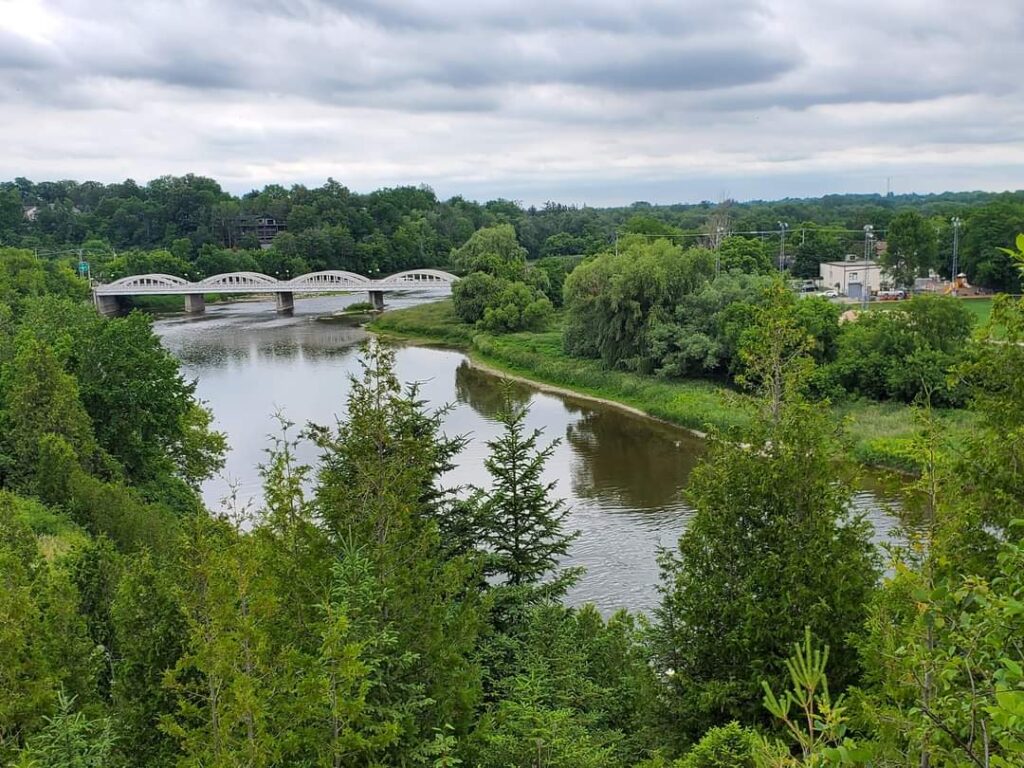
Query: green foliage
[
  {"x": 516, "y": 307},
  {"x": 69, "y": 740},
  {"x": 911, "y": 249},
  {"x": 815, "y": 245},
  {"x": 904, "y": 353},
  {"x": 145, "y": 413},
  {"x": 612, "y": 301},
  {"x": 771, "y": 536},
  {"x": 149, "y": 637},
  {"x": 44, "y": 646},
  {"x": 521, "y": 524},
  {"x": 745, "y": 254},
  {"x": 473, "y": 294},
  {"x": 40, "y": 401},
  {"x": 494, "y": 250},
  {"x": 556, "y": 268},
  {"x": 727, "y": 746},
  {"x": 379, "y": 489},
  {"x": 990, "y": 228},
  {"x": 813, "y": 721}
]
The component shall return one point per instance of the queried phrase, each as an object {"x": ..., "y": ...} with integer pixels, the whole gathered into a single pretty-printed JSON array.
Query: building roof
[{"x": 861, "y": 264}]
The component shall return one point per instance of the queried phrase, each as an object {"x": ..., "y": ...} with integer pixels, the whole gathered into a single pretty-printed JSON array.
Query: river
[{"x": 622, "y": 475}]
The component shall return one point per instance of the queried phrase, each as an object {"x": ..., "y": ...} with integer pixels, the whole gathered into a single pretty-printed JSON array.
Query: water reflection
[
  {"x": 477, "y": 389},
  {"x": 643, "y": 464}
]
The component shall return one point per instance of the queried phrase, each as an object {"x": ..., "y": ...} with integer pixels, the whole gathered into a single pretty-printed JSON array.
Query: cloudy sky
[{"x": 582, "y": 101}]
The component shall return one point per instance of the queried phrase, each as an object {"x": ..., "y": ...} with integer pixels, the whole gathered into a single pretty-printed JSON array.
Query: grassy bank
[{"x": 880, "y": 433}]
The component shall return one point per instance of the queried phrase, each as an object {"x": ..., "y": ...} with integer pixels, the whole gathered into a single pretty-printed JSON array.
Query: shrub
[
  {"x": 517, "y": 307},
  {"x": 473, "y": 294}
]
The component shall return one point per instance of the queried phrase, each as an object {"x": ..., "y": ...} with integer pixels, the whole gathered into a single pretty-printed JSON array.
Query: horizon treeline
[{"x": 195, "y": 226}]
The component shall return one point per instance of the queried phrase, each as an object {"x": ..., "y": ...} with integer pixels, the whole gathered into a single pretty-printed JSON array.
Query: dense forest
[
  {"x": 367, "y": 615},
  {"x": 190, "y": 225}
]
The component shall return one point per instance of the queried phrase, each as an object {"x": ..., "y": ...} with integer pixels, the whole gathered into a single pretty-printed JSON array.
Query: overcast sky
[{"x": 581, "y": 101}]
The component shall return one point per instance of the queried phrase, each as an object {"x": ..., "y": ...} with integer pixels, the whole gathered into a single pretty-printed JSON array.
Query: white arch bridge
[{"x": 109, "y": 297}]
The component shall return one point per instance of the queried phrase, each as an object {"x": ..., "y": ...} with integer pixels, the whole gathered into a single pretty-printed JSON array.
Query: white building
[{"x": 851, "y": 277}]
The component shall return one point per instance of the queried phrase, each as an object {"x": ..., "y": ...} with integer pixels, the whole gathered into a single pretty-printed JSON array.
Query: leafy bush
[
  {"x": 903, "y": 353},
  {"x": 517, "y": 307},
  {"x": 473, "y": 294}
]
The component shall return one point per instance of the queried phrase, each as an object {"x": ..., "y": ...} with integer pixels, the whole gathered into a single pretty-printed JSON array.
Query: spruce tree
[{"x": 522, "y": 522}]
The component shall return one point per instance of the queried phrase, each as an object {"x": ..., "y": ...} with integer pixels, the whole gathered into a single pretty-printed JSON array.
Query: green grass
[
  {"x": 880, "y": 434},
  {"x": 980, "y": 307}
]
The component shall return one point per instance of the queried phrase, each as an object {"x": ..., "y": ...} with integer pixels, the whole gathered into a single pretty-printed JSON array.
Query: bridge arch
[
  {"x": 328, "y": 279},
  {"x": 146, "y": 283},
  {"x": 241, "y": 281},
  {"x": 417, "y": 278}
]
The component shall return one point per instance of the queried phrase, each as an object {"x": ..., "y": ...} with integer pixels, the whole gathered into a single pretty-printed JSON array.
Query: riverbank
[{"x": 880, "y": 434}]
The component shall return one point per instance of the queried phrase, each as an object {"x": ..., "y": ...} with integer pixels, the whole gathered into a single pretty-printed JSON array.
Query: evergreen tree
[
  {"x": 379, "y": 489},
  {"x": 522, "y": 522},
  {"x": 69, "y": 740},
  {"x": 149, "y": 638}
]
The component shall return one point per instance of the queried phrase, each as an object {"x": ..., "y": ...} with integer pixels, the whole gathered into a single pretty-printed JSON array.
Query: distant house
[
  {"x": 30, "y": 212},
  {"x": 265, "y": 228},
  {"x": 852, "y": 277}
]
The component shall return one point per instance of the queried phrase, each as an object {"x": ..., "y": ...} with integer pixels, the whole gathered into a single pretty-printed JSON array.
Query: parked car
[
  {"x": 896, "y": 295},
  {"x": 831, "y": 294}
]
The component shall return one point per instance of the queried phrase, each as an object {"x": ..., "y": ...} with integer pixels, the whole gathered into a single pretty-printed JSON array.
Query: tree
[
  {"x": 378, "y": 488},
  {"x": 911, "y": 248},
  {"x": 522, "y": 523},
  {"x": 903, "y": 353},
  {"x": 494, "y": 250},
  {"x": 69, "y": 740},
  {"x": 745, "y": 254},
  {"x": 989, "y": 228},
  {"x": 771, "y": 536},
  {"x": 149, "y": 638},
  {"x": 40, "y": 400},
  {"x": 145, "y": 413},
  {"x": 474, "y": 293},
  {"x": 727, "y": 746},
  {"x": 815, "y": 245},
  {"x": 813, "y": 721},
  {"x": 516, "y": 307}
]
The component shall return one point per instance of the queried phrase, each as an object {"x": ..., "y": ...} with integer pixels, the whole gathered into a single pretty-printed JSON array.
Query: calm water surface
[{"x": 621, "y": 475}]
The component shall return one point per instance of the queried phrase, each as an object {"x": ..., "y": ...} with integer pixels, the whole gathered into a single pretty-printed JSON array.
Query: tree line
[
  {"x": 189, "y": 224},
  {"x": 368, "y": 615}
]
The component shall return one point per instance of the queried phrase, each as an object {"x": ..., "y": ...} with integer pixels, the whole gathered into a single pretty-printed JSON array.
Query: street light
[{"x": 783, "y": 226}]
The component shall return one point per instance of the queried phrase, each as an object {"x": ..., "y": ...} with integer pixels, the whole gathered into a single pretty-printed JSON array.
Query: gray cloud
[{"x": 528, "y": 94}]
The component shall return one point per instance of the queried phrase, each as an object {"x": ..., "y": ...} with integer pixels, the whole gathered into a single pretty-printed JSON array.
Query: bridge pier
[
  {"x": 285, "y": 302},
  {"x": 377, "y": 299},
  {"x": 110, "y": 306},
  {"x": 195, "y": 303}
]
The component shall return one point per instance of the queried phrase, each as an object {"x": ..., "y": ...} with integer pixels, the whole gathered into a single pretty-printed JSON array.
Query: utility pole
[
  {"x": 783, "y": 226},
  {"x": 718, "y": 245},
  {"x": 869, "y": 236},
  {"x": 956, "y": 222}
]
